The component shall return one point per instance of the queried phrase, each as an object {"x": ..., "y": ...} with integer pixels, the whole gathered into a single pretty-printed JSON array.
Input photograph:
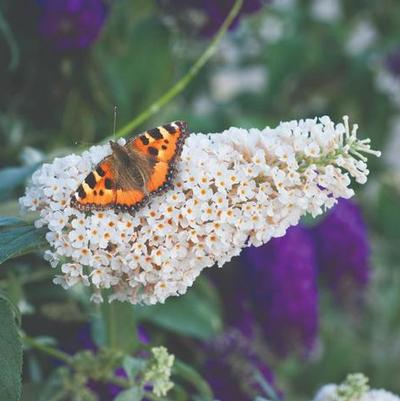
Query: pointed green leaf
[
  {"x": 19, "y": 240},
  {"x": 14, "y": 308},
  {"x": 10, "y": 355},
  {"x": 191, "y": 376},
  {"x": 10, "y": 221}
]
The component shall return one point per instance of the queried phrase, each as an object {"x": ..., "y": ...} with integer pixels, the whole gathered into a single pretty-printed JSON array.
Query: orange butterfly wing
[
  {"x": 129, "y": 199},
  {"x": 96, "y": 190},
  {"x": 162, "y": 145}
]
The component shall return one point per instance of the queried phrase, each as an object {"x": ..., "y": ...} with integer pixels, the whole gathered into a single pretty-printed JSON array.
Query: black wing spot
[
  {"x": 81, "y": 192},
  {"x": 144, "y": 140},
  {"x": 95, "y": 193},
  {"x": 164, "y": 147},
  {"x": 108, "y": 183},
  {"x": 171, "y": 129},
  {"x": 91, "y": 180},
  {"x": 101, "y": 192},
  {"x": 166, "y": 141},
  {"x": 153, "y": 151},
  {"x": 100, "y": 171},
  {"x": 155, "y": 133}
]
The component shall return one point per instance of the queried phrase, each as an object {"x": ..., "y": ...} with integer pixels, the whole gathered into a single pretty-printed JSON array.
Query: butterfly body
[
  {"x": 130, "y": 167},
  {"x": 126, "y": 179}
]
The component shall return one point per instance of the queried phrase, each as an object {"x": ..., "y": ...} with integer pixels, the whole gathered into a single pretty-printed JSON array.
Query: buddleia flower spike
[{"x": 231, "y": 190}]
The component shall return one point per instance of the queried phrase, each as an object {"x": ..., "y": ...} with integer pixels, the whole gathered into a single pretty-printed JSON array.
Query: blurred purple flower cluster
[
  {"x": 283, "y": 280},
  {"x": 393, "y": 62},
  {"x": 234, "y": 370},
  {"x": 342, "y": 248},
  {"x": 276, "y": 284},
  {"x": 71, "y": 24}
]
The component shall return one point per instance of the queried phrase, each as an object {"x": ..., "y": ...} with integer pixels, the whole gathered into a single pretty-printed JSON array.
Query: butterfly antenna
[{"x": 115, "y": 122}]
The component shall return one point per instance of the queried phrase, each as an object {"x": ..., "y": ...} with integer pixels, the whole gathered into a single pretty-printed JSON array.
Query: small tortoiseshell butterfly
[{"x": 127, "y": 178}]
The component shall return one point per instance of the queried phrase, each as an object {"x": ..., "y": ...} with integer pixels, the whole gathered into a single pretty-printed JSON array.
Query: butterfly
[{"x": 133, "y": 173}]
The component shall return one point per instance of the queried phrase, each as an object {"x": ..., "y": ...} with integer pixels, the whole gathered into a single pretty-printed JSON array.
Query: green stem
[
  {"x": 46, "y": 349},
  {"x": 330, "y": 158},
  {"x": 186, "y": 79},
  {"x": 191, "y": 376}
]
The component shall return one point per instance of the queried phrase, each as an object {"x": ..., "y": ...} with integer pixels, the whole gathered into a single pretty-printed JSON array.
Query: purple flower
[
  {"x": 240, "y": 315},
  {"x": 281, "y": 282},
  {"x": 236, "y": 304},
  {"x": 71, "y": 24},
  {"x": 234, "y": 370},
  {"x": 392, "y": 62},
  {"x": 208, "y": 15},
  {"x": 343, "y": 248}
]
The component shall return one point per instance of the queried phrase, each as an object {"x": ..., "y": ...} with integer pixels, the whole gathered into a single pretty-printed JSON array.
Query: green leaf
[
  {"x": 10, "y": 221},
  {"x": 191, "y": 376},
  {"x": 53, "y": 388},
  {"x": 132, "y": 394},
  {"x": 133, "y": 366},
  {"x": 10, "y": 355},
  {"x": 14, "y": 308},
  {"x": 196, "y": 314},
  {"x": 15, "y": 289},
  {"x": 19, "y": 240},
  {"x": 119, "y": 326}
]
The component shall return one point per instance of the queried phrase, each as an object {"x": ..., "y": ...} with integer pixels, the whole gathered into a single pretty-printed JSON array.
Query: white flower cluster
[
  {"x": 330, "y": 392},
  {"x": 234, "y": 189},
  {"x": 158, "y": 373}
]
